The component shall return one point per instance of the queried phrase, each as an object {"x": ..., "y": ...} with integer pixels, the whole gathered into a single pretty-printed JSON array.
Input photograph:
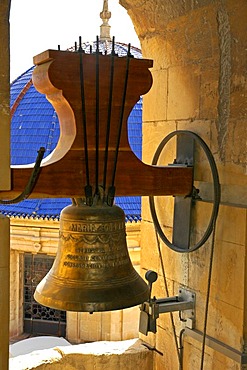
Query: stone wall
[{"x": 199, "y": 84}]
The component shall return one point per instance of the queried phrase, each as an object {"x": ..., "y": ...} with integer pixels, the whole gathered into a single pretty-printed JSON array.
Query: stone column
[
  {"x": 4, "y": 291},
  {"x": 4, "y": 179},
  {"x": 4, "y": 96}
]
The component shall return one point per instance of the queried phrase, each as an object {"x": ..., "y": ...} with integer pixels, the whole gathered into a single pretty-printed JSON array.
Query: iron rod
[
  {"x": 218, "y": 346},
  {"x": 97, "y": 120},
  {"x": 109, "y": 113},
  {"x": 88, "y": 187},
  {"x": 111, "y": 192}
]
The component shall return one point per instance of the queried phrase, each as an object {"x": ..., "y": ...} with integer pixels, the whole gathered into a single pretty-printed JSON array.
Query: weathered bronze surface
[{"x": 92, "y": 270}]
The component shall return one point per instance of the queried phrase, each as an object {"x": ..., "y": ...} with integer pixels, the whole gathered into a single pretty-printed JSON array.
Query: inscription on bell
[
  {"x": 95, "y": 245},
  {"x": 96, "y": 261},
  {"x": 96, "y": 227}
]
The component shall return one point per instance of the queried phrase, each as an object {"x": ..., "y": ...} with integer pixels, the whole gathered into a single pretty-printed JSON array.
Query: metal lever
[
  {"x": 151, "y": 309},
  {"x": 32, "y": 180},
  {"x": 151, "y": 277}
]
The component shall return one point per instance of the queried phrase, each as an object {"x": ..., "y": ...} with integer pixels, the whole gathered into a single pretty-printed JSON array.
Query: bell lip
[
  {"x": 87, "y": 306},
  {"x": 78, "y": 303}
]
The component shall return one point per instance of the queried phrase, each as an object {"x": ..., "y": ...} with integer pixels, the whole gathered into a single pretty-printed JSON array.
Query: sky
[{"x": 38, "y": 25}]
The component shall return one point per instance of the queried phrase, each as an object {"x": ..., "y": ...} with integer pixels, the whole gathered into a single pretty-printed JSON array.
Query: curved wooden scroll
[{"x": 57, "y": 75}]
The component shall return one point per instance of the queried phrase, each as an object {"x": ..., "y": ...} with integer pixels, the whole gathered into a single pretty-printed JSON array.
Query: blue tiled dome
[{"x": 34, "y": 123}]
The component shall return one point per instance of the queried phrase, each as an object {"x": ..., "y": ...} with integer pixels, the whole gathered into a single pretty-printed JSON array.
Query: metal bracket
[
  {"x": 216, "y": 345},
  {"x": 184, "y": 302},
  {"x": 183, "y": 206}
]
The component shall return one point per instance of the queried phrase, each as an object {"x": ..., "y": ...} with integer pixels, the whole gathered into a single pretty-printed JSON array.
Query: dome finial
[{"x": 105, "y": 15}]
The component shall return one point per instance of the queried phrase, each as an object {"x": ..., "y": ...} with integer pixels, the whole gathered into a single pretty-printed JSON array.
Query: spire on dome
[{"x": 105, "y": 15}]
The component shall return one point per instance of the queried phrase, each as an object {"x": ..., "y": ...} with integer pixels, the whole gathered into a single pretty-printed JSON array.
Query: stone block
[
  {"x": 153, "y": 133},
  {"x": 149, "y": 339},
  {"x": 238, "y": 109},
  {"x": 106, "y": 321},
  {"x": 183, "y": 93},
  {"x": 212, "y": 359},
  {"x": 192, "y": 40},
  {"x": 89, "y": 327},
  {"x": 163, "y": 209},
  {"x": 209, "y": 94},
  {"x": 200, "y": 127},
  {"x": 231, "y": 226},
  {"x": 198, "y": 269},
  {"x": 124, "y": 355},
  {"x": 192, "y": 356},
  {"x": 149, "y": 252},
  {"x": 116, "y": 326},
  {"x": 175, "y": 265},
  {"x": 237, "y": 133},
  {"x": 220, "y": 361},
  {"x": 146, "y": 214},
  {"x": 113, "y": 325},
  {"x": 149, "y": 50},
  {"x": 130, "y": 323},
  {"x": 229, "y": 274},
  {"x": 166, "y": 344},
  {"x": 72, "y": 326},
  {"x": 156, "y": 108},
  {"x": 224, "y": 321}
]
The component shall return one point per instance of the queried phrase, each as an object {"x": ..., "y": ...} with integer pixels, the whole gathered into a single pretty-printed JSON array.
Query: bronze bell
[{"x": 92, "y": 270}]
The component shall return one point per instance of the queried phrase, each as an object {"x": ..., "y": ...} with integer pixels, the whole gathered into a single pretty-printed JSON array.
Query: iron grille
[{"x": 39, "y": 319}]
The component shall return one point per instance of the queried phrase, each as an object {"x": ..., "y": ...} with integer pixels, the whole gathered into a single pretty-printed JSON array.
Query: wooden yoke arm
[{"x": 93, "y": 95}]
